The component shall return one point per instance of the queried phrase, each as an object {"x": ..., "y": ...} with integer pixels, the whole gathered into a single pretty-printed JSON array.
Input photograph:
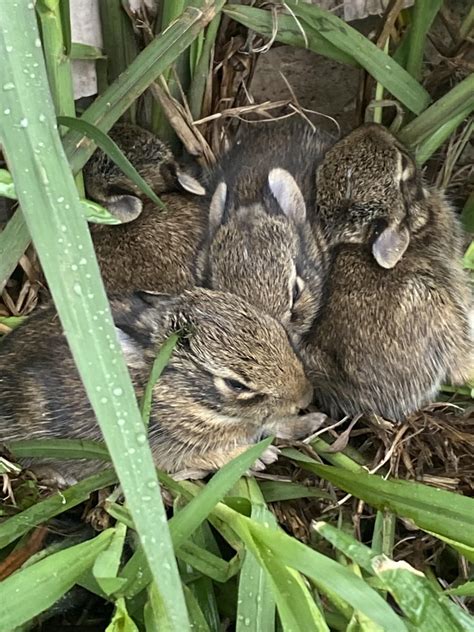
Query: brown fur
[
  {"x": 156, "y": 251},
  {"x": 151, "y": 158},
  {"x": 386, "y": 338},
  {"x": 260, "y": 243},
  {"x": 264, "y": 254},
  {"x": 199, "y": 420}
]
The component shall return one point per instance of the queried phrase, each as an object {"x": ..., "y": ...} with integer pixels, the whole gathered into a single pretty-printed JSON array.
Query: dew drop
[
  {"x": 8, "y": 86},
  {"x": 117, "y": 391},
  {"x": 74, "y": 267},
  {"x": 131, "y": 450},
  {"x": 60, "y": 199},
  {"x": 151, "y": 484},
  {"x": 77, "y": 289},
  {"x": 82, "y": 262},
  {"x": 7, "y": 111},
  {"x": 42, "y": 118},
  {"x": 24, "y": 122},
  {"x": 38, "y": 42},
  {"x": 121, "y": 421},
  {"x": 141, "y": 438},
  {"x": 9, "y": 49}
]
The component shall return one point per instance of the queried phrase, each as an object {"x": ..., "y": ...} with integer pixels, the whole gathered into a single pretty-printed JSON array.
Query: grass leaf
[
  {"x": 121, "y": 620},
  {"x": 52, "y": 506},
  {"x": 107, "y": 563},
  {"x": 52, "y": 210},
  {"x": 188, "y": 519},
  {"x": 32, "y": 590},
  {"x": 114, "y": 152},
  {"x": 435, "y": 510},
  {"x": 159, "y": 364},
  {"x": 255, "y": 602}
]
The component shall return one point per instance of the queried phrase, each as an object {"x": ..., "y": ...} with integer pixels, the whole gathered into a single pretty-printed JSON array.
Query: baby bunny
[
  {"x": 260, "y": 244},
  {"x": 292, "y": 144},
  {"x": 153, "y": 249},
  {"x": 395, "y": 322},
  {"x": 233, "y": 378},
  {"x": 154, "y": 161}
]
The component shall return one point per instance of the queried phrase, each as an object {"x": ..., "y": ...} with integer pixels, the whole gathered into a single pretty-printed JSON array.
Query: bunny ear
[
  {"x": 389, "y": 247},
  {"x": 288, "y": 194},
  {"x": 217, "y": 206},
  {"x": 190, "y": 184},
  {"x": 125, "y": 208}
]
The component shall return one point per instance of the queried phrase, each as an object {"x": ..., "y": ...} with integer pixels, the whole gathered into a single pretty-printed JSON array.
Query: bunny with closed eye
[
  {"x": 395, "y": 322},
  {"x": 233, "y": 378},
  {"x": 153, "y": 248},
  {"x": 260, "y": 244}
]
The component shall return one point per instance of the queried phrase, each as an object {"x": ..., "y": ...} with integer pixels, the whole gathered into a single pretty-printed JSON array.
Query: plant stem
[{"x": 52, "y": 211}]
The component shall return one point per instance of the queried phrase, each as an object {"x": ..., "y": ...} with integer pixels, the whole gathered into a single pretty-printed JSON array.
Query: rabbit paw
[
  {"x": 52, "y": 478},
  {"x": 270, "y": 455},
  {"x": 194, "y": 475},
  {"x": 297, "y": 428}
]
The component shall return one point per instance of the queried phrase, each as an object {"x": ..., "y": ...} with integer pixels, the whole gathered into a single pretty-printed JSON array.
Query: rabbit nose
[{"x": 306, "y": 398}]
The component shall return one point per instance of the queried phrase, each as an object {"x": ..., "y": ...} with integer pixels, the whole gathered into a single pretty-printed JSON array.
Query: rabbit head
[
  {"x": 370, "y": 191},
  {"x": 233, "y": 372},
  {"x": 266, "y": 252},
  {"x": 154, "y": 161}
]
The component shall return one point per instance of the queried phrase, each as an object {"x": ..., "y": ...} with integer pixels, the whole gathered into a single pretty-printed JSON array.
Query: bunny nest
[{"x": 435, "y": 446}]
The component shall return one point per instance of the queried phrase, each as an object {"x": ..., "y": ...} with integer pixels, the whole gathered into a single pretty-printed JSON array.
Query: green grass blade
[
  {"x": 53, "y": 214},
  {"x": 422, "y": 604},
  {"x": 467, "y": 217},
  {"x": 255, "y": 600},
  {"x": 458, "y": 101},
  {"x": 203, "y": 587},
  {"x": 188, "y": 519},
  {"x": 106, "y": 564},
  {"x": 325, "y": 32},
  {"x": 92, "y": 212},
  {"x": 59, "y": 449},
  {"x": 198, "y": 621},
  {"x": 202, "y": 70},
  {"x": 296, "y": 606},
  {"x": 432, "y": 143},
  {"x": 57, "y": 62},
  {"x": 149, "y": 64},
  {"x": 121, "y": 620},
  {"x": 381, "y": 66},
  {"x": 17, "y": 525},
  {"x": 7, "y": 188},
  {"x": 326, "y": 573},
  {"x": 113, "y": 151},
  {"x": 86, "y": 52},
  {"x": 424, "y": 12},
  {"x": 14, "y": 240},
  {"x": 435, "y": 510},
  {"x": 159, "y": 364},
  {"x": 289, "y": 32},
  {"x": 32, "y": 590},
  {"x": 207, "y": 563},
  {"x": 277, "y": 491},
  {"x": 425, "y": 20},
  {"x": 120, "y": 46},
  {"x": 464, "y": 590}
]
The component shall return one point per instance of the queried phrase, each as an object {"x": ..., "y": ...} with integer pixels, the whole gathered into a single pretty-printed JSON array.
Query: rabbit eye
[
  {"x": 229, "y": 386},
  {"x": 236, "y": 386},
  {"x": 297, "y": 289}
]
